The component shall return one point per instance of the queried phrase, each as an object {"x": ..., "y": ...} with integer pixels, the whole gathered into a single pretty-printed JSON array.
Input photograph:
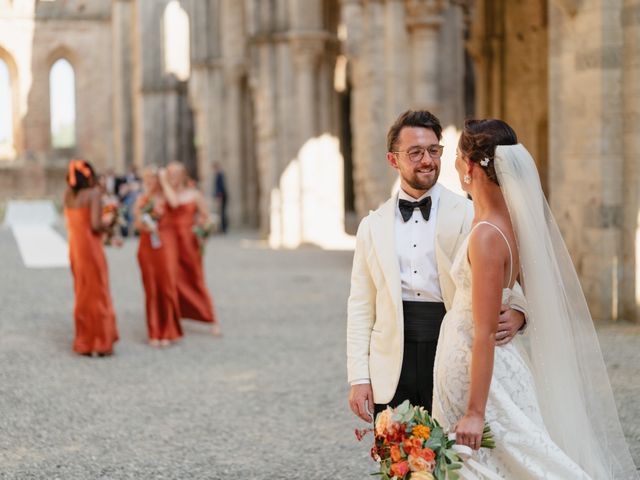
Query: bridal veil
[{"x": 573, "y": 387}]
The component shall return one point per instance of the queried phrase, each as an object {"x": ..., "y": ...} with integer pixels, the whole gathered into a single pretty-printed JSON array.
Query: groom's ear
[{"x": 392, "y": 159}]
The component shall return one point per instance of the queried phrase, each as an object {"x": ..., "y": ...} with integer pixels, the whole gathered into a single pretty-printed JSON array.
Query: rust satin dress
[
  {"x": 158, "y": 270},
  {"x": 193, "y": 297},
  {"x": 95, "y": 318}
]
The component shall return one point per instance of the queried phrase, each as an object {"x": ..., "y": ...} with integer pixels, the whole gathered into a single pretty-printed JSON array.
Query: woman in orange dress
[
  {"x": 188, "y": 209},
  {"x": 95, "y": 319},
  {"x": 157, "y": 263}
]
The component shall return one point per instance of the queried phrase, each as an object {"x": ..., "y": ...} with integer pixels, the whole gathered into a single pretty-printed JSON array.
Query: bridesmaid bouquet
[
  {"x": 202, "y": 232},
  {"x": 151, "y": 213},
  {"x": 113, "y": 216},
  {"x": 411, "y": 445}
]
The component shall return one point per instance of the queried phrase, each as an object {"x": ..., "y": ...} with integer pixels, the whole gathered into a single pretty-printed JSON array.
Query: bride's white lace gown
[{"x": 524, "y": 449}]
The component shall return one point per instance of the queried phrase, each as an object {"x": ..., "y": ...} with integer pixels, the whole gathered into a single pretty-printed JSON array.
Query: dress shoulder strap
[{"x": 505, "y": 239}]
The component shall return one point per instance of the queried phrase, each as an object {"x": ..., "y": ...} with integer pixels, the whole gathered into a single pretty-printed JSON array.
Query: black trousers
[{"x": 422, "y": 322}]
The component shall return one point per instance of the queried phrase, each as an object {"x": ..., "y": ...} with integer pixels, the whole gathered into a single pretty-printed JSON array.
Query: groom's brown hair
[{"x": 413, "y": 118}]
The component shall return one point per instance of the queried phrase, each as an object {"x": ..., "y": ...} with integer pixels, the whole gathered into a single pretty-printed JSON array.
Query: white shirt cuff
[{"x": 360, "y": 381}]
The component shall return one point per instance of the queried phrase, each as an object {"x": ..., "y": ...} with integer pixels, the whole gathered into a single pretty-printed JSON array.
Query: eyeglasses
[{"x": 416, "y": 154}]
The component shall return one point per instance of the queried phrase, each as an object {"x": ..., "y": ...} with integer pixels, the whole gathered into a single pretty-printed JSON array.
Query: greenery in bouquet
[
  {"x": 411, "y": 445},
  {"x": 202, "y": 232},
  {"x": 151, "y": 208}
]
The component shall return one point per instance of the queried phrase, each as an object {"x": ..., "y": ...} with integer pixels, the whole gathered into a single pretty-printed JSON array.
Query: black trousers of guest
[{"x": 422, "y": 322}]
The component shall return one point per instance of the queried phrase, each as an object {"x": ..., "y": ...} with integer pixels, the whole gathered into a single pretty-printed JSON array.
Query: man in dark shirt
[{"x": 220, "y": 194}]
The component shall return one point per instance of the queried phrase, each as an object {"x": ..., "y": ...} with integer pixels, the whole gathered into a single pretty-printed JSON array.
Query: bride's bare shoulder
[{"x": 486, "y": 244}]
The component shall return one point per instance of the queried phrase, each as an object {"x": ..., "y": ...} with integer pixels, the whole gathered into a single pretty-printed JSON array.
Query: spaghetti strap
[{"x": 508, "y": 246}]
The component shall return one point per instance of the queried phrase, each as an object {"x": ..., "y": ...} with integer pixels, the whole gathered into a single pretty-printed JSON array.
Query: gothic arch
[
  {"x": 62, "y": 99},
  {"x": 8, "y": 149}
]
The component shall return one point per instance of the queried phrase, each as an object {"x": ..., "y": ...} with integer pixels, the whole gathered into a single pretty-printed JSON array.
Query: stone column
[
  {"x": 365, "y": 47},
  {"x": 630, "y": 295},
  {"x": 424, "y": 19},
  {"x": 233, "y": 52},
  {"x": 586, "y": 167},
  {"x": 396, "y": 60},
  {"x": 206, "y": 85},
  {"x": 263, "y": 87},
  {"x": 451, "y": 67},
  {"x": 122, "y": 29}
]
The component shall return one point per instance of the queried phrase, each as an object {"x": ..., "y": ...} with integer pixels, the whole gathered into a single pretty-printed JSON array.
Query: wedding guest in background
[
  {"x": 156, "y": 252},
  {"x": 188, "y": 217},
  {"x": 95, "y": 319},
  {"x": 220, "y": 195},
  {"x": 128, "y": 189}
]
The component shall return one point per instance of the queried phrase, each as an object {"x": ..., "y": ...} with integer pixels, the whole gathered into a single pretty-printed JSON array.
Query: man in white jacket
[{"x": 401, "y": 285}]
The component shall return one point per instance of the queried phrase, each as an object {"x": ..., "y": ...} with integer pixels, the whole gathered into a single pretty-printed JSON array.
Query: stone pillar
[
  {"x": 206, "y": 87},
  {"x": 263, "y": 87},
  {"x": 586, "y": 167},
  {"x": 397, "y": 60},
  {"x": 451, "y": 67},
  {"x": 155, "y": 93},
  {"x": 365, "y": 46},
  {"x": 233, "y": 54},
  {"x": 630, "y": 295},
  {"x": 122, "y": 29},
  {"x": 424, "y": 19}
]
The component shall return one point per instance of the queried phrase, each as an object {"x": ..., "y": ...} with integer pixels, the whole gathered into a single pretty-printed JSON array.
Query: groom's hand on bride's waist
[
  {"x": 509, "y": 324},
  {"x": 361, "y": 401}
]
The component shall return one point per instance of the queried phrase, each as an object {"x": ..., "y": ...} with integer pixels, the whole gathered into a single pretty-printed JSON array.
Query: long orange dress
[
  {"x": 159, "y": 279},
  {"x": 95, "y": 318},
  {"x": 193, "y": 296}
]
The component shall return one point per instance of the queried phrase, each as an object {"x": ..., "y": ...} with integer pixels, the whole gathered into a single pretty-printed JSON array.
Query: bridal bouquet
[
  {"x": 151, "y": 213},
  {"x": 113, "y": 217},
  {"x": 411, "y": 445}
]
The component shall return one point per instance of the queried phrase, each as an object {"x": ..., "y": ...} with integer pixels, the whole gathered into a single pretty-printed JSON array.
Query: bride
[{"x": 550, "y": 406}]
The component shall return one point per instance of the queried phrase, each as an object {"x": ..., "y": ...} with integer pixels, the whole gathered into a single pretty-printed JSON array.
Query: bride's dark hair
[{"x": 479, "y": 140}]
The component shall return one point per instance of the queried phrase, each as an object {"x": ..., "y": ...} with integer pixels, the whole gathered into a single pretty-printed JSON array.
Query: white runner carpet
[{"x": 39, "y": 244}]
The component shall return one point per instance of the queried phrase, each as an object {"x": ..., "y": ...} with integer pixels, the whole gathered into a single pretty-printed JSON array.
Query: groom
[{"x": 401, "y": 286}]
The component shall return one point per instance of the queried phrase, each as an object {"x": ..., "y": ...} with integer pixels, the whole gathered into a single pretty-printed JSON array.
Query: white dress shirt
[{"x": 415, "y": 247}]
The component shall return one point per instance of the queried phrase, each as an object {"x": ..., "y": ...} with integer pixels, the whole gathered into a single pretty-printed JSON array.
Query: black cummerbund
[{"x": 422, "y": 320}]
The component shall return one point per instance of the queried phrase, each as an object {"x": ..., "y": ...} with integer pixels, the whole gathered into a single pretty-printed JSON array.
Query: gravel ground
[{"x": 267, "y": 401}]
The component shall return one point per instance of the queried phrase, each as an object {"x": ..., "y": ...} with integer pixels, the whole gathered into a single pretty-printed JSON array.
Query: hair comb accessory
[{"x": 484, "y": 162}]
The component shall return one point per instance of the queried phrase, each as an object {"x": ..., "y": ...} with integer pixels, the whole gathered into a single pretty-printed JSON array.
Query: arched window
[
  {"x": 62, "y": 95},
  {"x": 176, "y": 41},
  {"x": 6, "y": 111}
]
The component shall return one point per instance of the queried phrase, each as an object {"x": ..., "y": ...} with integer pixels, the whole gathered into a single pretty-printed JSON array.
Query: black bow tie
[{"x": 407, "y": 207}]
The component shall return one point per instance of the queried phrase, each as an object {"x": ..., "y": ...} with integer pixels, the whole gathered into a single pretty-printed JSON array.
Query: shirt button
[
  {"x": 418, "y": 294},
  {"x": 414, "y": 245},
  {"x": 415, "y": 271},
  {"x": 416, "y": 221}
]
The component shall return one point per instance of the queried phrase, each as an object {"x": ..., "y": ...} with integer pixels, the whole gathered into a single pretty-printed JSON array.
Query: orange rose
[
  {"x": 383, "y": 421},
  {"x": 426, "y": 453},
  {"x": 418, "y": 464},
  {"x": 410, "y": 444},
  {"x": 400, "y": 469},
  {"x": 396, "y": 454}
]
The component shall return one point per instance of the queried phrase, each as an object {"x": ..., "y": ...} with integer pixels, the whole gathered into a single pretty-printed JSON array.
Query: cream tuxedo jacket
[{"x": 375, "y": 323}]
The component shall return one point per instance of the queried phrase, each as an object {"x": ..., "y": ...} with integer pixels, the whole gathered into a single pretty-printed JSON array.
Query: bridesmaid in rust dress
[
  {"x": 157, "y": 263},
  {"x": 187, "y": 208},
  {"x": 95, "y": 319}
]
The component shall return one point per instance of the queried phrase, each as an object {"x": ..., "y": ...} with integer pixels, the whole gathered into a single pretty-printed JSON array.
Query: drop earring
[{"x": 467, "y": 179}]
